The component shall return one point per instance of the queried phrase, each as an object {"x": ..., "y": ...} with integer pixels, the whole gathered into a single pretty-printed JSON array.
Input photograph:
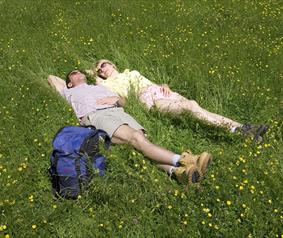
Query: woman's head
[{"x": 105, "y": 68}]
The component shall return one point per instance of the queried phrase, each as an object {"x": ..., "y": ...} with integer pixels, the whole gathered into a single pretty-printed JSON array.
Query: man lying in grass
[
  {"x": 165, "y": 100},
  {"x": 98, "y": 106}
]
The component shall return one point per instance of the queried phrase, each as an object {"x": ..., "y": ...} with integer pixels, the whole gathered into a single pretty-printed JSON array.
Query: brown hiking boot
[
  {"x": 202, "y": 161},
  {"x": 187, "y": 175}
]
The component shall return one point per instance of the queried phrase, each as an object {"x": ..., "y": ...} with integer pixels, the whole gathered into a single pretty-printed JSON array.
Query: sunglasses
[{"x": 98, "y": 70}]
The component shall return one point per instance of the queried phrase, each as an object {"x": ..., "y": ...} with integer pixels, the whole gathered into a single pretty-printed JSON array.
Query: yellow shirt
[{"x": 126, "y": 81}]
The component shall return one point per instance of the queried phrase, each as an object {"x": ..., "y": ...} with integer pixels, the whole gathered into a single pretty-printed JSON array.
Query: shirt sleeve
[{"x": 64, "y": 93}]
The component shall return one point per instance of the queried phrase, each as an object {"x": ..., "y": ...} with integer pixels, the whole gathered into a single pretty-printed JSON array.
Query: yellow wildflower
[{"x": 228, "y": 203}]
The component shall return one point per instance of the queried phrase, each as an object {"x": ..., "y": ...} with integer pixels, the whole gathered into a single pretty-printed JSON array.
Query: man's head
[
  {"x": 105, "y": 68},
  {"x": 75, "y": 78}
]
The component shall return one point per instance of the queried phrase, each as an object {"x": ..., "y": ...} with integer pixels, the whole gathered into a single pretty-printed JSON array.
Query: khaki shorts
[{"x": 110, "y": 120}]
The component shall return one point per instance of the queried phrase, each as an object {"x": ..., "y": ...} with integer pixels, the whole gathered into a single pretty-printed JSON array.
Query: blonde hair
[{"x": 95, "y": 69}]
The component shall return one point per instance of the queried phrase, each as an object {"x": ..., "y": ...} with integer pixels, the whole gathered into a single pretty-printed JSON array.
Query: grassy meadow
[{"x": 225, "y": 54}]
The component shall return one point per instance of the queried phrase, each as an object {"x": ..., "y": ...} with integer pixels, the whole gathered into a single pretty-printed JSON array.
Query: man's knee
[
  {"x": 137, "y": 138},
  {"x": 127, "y": 134}
]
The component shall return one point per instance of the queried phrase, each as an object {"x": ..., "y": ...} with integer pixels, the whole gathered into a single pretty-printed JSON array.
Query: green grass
[{"x": 227, "y": 55}]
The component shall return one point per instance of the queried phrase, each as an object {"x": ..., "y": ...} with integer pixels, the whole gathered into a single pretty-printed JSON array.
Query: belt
[{"x": 105, "y": 108}]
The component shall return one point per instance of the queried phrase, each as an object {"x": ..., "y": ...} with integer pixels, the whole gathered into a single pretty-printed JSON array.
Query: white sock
[
  {"x": 175, "y": 159},
  {"x": 233, "y": 129},
  {"x": 171, "y": 170}
]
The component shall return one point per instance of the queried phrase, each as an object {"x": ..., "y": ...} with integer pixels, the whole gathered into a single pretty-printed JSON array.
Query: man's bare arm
[
  {"x": 121, "y": 102},
  {"x": 57, "y": 83}
]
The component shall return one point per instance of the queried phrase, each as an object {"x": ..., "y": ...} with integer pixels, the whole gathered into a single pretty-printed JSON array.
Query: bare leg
[
  {"x": 182, "y": 104},
  {"x": 165, "y": 167},
  {"x": 118, "y": 141},
  {"x": 126, "y": 134},
  {"x": 161, "y": 156}
]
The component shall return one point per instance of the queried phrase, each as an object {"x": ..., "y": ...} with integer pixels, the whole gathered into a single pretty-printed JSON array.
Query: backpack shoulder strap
[
  {"x": 90, "y": 145},
  {"x": 105, "y": 136}
]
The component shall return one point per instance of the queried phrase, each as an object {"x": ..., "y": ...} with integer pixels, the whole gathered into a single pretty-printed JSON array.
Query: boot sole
[
  {"x": 190, "y": 175},
  {"x": 193, "y": 174},
  {"x": 260, "y": 133}
]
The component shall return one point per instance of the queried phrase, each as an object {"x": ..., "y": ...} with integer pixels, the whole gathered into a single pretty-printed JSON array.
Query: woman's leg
[{"x": 179, "y": 104}]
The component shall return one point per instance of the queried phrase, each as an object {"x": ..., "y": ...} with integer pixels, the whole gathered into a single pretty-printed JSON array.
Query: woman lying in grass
[{"x": 164, "y": 99}]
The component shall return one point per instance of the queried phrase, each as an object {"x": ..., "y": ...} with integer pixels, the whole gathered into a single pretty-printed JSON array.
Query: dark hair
[{"x": 68, "y": 80}]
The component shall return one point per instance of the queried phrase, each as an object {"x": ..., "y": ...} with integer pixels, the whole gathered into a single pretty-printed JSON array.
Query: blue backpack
[{"x": 75, "y": 159}]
